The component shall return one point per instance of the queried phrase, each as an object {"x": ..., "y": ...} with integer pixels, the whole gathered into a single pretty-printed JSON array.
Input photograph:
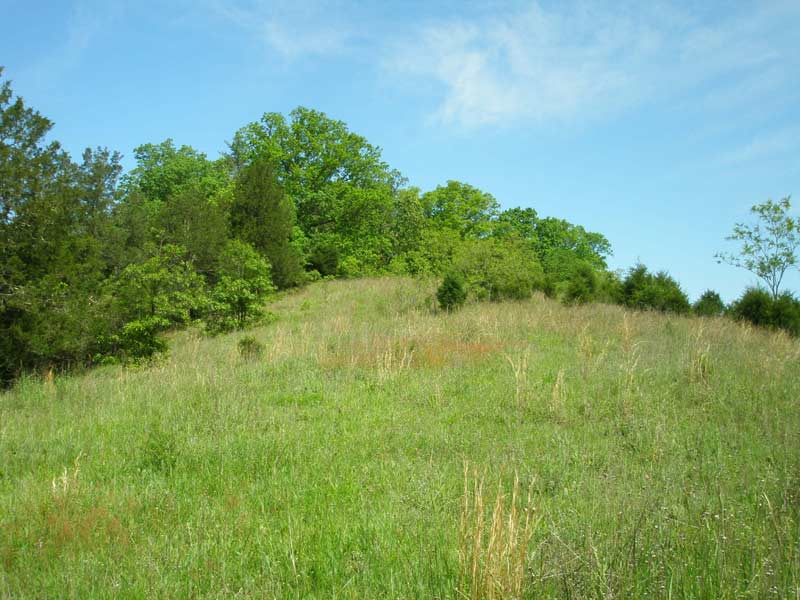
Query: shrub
[
  {"x": 139, "y": 339},
  {"x": 709, "y": 305},
  {"x": 758, "y": 307},
  {"x": 499, "y": 269},
  {"x": 165, "y": 286},
  {"x": 753, "y": 306},
  {"x": 609, "y": 287},
  {"x": 644, "y": 290},
  {"x": 451, "y": 294},
  {"x": 324, "y": 256},
  {"x": 250, "y": 348},
  {"x": 785, "y": 313},
  {"x": 244, "y": 284},
  {"x": 582, "y": 285}
]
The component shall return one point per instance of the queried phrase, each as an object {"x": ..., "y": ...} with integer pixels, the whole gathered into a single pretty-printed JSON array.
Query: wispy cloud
[
  {"x": 763, "y": 147},
  {"x": 585, "y": 60},
  {"x": 292, "y": 29},
  {"x": 87, "y": 20}
]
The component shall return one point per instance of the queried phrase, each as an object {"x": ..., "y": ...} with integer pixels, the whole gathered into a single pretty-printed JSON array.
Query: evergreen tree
[
  {"x": 451, "y": 293},
  {"x": 709, "y": 305},
  {"x": 263, "y": 216}
]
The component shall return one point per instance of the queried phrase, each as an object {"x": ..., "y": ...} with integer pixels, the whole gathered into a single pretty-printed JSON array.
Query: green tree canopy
[
  {"x": 462, "y": 208},
  {"x": 709, "y": 305},
  {"x": 262, "y": 216},
  {"x": 768, "y": 247},
  {"x": 337, "y": 181},
  {"x": 162, "y": 170},
  {"x": 644, "y": 290}
]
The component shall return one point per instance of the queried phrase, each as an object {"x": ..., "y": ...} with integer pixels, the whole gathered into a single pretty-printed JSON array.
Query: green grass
[{"x": 663, "y": 455}]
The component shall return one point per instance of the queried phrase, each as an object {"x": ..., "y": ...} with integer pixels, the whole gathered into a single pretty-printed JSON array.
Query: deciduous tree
[{"x": 768, "y": 247}]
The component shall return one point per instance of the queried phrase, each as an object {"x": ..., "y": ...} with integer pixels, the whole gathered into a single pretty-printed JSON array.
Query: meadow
[{"x": 377, "y": 448}]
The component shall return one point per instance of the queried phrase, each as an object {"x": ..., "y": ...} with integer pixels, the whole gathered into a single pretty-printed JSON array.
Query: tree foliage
[
  {"x": 761, "y": 308},
  {"x": 451, "y": 293},
  {"x": 498, "y": 269},
  {"x": 709, "y": 305},
  {"x": 644, "y": 290},
  {"x": 461, "y": 208},
  {"x": 97, "y": 265},
  {"x": 768, "y": 247},
  {"x": 262, "y": 216},
  {"x": 244, "y": 283}
]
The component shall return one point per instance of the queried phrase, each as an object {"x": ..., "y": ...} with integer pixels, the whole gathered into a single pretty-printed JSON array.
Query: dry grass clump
[{"x": 493, "y": 552}]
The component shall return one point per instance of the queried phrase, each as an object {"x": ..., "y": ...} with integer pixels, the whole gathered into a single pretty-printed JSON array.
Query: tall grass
[
  {"x": 662, "y": 456},
  {"x": 493, "y": 553}
]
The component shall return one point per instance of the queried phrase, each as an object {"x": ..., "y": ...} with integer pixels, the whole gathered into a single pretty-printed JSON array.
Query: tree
[
  {"x": 557, "y": 236},
  {"x": 709, "y": 305},
  {"x": 49, "y": 260},
  {"x": 191, "y": 220},
  {"x": 462, "y": 208},
  {"x": 643, "y": 290},
  {"x": 498, "y": 269},
  {"x": 262, "y": 216},
  {"x": 768, "y": 248},
  {"x": 451, "y": 293},
  {"x": 244, "y": 282},
  {"x": 162, "y": 170},
  {"x": 757, "y": 306},
  {"x": 339, "y": 184}
]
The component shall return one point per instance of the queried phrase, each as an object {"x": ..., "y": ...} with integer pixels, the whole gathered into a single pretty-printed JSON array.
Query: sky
[{"x": 657, "y": 124}]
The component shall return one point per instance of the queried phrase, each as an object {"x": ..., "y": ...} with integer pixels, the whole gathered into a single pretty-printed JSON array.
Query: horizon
[{"x": 672, "y": 120}]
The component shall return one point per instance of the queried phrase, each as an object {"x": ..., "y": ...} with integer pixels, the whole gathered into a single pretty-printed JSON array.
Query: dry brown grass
[{"x": 493, "y": 552}]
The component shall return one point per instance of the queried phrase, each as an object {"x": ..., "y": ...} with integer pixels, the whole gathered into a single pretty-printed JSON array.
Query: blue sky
[{"x": 657, "y": 124}]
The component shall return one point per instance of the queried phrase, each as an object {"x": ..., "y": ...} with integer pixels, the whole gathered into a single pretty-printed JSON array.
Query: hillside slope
[{"x": 662, "y": 455}]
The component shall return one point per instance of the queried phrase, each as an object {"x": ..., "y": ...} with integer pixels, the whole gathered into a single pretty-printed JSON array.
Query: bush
[
  {"x": 139, "y": 339},
  {"x": 250, "y": 348},
  {"x": 499, "y": 269},
  {"x": 661, "y": 292},
  {"x": 244, "y": 284},
  {"x": 582, "y": 286},
  {"x": 451, "y": 294},
  {"x": 709, "y": 305},
  {"x": 753, "y": 306},
  {"x": 758, "y": 307},
  {"x": 324, "y": 256},
  {"x": 785, "y": 313}
]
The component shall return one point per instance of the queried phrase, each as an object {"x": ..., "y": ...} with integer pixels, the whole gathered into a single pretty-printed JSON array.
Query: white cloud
[
  {"x": 87, "y": 20},
  {"x": 292, "y": 29},
  {"x": 584, "y": 61},
  {"x": 762, "y": 147}
]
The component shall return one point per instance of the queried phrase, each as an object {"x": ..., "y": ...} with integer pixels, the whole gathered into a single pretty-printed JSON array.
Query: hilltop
[{"x": 661, "y": 453}]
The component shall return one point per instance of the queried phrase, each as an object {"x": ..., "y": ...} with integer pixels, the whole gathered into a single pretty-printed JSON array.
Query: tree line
[{"x": 95, "y": 264}]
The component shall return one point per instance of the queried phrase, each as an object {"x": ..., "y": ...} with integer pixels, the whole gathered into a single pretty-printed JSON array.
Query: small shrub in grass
[
  {"x": 250, "y": 348},
  {"x": 786, "y": 313},
  {"x": 160, "y": 451},
  {"x": 451, "y": 294}
]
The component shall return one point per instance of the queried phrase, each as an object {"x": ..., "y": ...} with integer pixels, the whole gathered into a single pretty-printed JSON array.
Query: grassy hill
[{"x": 364, "y": 453}]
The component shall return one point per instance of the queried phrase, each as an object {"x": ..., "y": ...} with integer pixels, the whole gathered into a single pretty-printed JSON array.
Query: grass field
[{"x": 372, "y": 449}]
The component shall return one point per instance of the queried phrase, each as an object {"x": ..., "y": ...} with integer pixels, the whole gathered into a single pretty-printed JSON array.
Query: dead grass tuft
[{"x": 493, "y": 552}]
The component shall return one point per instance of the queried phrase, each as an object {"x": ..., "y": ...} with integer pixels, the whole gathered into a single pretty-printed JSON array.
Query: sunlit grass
[{"x": 662, "y": 455}]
